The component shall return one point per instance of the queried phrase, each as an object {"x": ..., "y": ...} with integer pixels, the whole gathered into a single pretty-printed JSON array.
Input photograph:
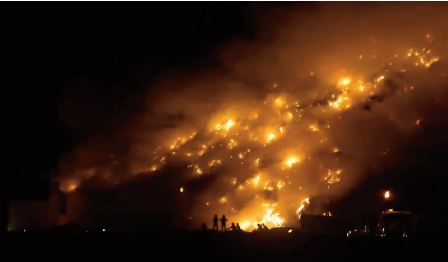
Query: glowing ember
[
  {"x": 222, "y": 200},
  {"x": 387, "y": 195},
  {"x": 333, "y": 176},
  {"x": 418, "y": 122},
  {"x": 279, "y": 102},
  {"x": 303, "y": 205},
  {"x": 313, "y": 128},
  {"x": 344, "y": 81},
  {"x": 291, "y": 161},
  {"x": 226, "y": 126},
  {"x": 70, "y": 186},
  {"x": 270, "y": 137},
  {"x": 255, "y": 180}
]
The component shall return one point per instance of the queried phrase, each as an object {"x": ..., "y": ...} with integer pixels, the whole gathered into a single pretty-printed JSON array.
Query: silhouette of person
[
  {"x": 238, "y": 228},
  {"x": 260, "y": 227},
  {"x": 264, "y": 227},
  {"x": 204, "y": 227},
  {"x": 233, "y": 227},
  {"x": 223, "y": 223},
  {"x": 215, "y": 222}
]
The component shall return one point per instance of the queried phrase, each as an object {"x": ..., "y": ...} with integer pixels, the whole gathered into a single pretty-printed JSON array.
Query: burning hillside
[{"x": 304, "y": 112}]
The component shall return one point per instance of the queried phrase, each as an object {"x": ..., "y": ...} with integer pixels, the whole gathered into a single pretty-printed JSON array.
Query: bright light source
[
  {"x": 344, "y": 81},
  {"x": 387, "y": 195},
  {"x": 270, "y": 137},
  {"x": 291, "y": 161}
]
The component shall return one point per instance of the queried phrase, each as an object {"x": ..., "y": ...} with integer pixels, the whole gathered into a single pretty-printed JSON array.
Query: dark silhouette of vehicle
[{"x": 393, "y": 223}]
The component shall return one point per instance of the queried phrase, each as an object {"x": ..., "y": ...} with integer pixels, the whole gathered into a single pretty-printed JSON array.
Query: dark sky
[{"x": 101, "y": 55}]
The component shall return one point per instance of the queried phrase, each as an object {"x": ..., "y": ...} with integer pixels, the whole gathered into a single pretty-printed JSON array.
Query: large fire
[{"x": 267, "y": 154}]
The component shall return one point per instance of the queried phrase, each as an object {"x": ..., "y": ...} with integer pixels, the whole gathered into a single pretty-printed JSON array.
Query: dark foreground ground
[{"x": 212, "y": 246}]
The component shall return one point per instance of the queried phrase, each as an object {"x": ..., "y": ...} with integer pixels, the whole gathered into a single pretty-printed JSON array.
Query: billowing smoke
[{"x": 315, "y": 102}]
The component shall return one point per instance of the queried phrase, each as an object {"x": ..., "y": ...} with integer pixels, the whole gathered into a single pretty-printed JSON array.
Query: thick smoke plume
[{"x": 318, "y": 100}]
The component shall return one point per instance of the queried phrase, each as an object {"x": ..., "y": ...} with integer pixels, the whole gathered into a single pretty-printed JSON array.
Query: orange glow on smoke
[{"x": 258, "y": 153}]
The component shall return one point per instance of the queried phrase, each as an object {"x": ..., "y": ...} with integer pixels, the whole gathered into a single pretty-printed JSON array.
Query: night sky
[{"x": 103, "y": 55}]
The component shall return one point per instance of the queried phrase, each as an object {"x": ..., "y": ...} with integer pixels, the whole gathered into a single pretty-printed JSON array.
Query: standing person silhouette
[
  {"x": 215, "y": 222},
  {"x": 204, "y": 227},
  {"x": 223, "y": 223}
]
